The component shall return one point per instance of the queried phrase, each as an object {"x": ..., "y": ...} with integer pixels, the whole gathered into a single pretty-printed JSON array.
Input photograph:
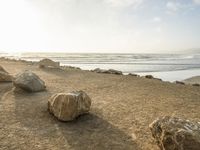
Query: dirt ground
[{"x": 122, "y": 108}]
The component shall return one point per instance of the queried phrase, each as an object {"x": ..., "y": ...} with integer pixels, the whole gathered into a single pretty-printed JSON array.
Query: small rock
[
  {"x": 110, "y": 71},
  {"x": 171, "y": 133},
  {"x": 48, "y": 63},
  {"x": 195, "y": 84},
  {"x": 29, "y": 81},
  {"x": 179, "y": 82},
  {"x": 135, "y": 75},
  {"x": 68, "y": 106},
  {"x": 149, "y": 77}
]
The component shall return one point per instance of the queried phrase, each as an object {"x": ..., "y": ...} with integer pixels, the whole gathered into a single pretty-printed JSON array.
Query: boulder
[
  {"x": 4, "y": 75},
  {"x": 29, "y": 81},
  {"x": 68, "y": 106},
  {"x": 171, "y": 133},
  {"x": 48, "y": 63}
]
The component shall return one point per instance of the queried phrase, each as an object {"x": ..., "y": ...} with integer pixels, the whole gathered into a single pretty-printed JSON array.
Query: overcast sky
[{"x": 99, "y": 25}]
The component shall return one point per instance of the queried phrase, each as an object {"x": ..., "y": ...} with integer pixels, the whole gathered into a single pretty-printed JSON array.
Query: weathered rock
[
  {"x": 171, "y": 133},
  {"x": 29, "y": 81},
  {"x": 68, "y": 106},
  {"x": 48, "y": 63},
  {"x": 149, "y": 77},
  {"x": 4, "y": 75}
]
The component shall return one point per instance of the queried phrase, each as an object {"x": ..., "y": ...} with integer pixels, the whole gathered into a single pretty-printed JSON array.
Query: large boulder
[
  {"x": 68, "y": 106},
  {"x": 29, "y": 81},
  {"x": 48, "y": 63},
  {"x": 171, "y": 133},
  {"x": 4, "y": 75}
]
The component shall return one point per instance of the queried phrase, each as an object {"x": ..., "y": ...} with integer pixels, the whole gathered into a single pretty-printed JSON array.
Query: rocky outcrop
[
  {"x": 29, "y": 81},
  {"x": 45, "y": 63},
  {"x": 4, "y": 75},
  {"x": 68, "y": 106},
  {"x": 109, "y": 71},
  {"x": 171, "y": 133}
]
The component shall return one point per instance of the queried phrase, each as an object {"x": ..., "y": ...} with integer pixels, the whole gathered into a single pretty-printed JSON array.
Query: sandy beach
[{"x": 122, "y": 108}]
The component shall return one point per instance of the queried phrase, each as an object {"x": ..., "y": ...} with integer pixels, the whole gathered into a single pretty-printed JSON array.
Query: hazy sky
[{"x": 99, "y": 25}]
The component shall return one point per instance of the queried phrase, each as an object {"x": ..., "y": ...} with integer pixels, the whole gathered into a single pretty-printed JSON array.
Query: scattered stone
[
  {"x": 195, "y": 84},
  {"x": 4, "y": 75},
  {"x": 68, "y": 106},
  {"x": 110, "y": 71},
  {"x": 179, "y": 82},
  {"x": 29, "y": 81},
  {"x": 149, "y": 77},
  {"x": 135, "y": 75},
  {"x": 171, "y": 133},
  {"x": 48, "y": 63}
]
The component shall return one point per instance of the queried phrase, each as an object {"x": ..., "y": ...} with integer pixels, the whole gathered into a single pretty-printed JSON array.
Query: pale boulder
[
  {"x": 29, "y": 81},
  {"x": 68, "y": 106},
  {"x": 171, "y": 133}
]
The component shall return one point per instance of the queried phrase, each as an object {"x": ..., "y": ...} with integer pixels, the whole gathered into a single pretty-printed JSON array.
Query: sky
[{"x": 124, "y": 26}]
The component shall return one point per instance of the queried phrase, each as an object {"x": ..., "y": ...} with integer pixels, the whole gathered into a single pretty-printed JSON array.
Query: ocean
[{"x": 169, "y": 67}]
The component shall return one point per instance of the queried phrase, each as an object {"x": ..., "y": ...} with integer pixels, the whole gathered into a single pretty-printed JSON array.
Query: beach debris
[
  {"x": 109, "y": 71},
  {"x": 171, "y": 133},
  {"x": 48, "y": 63},
  {"x": 68, "y": 106},
  {"x": 4, "y": 75},
  {"x": 149, "y": 77},
  {"x": 29, "y": 81},
  {"x": 179, "y": 82}
]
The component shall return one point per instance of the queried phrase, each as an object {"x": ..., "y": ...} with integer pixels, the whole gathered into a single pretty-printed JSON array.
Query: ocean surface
[{"x": 169, "y": 67}]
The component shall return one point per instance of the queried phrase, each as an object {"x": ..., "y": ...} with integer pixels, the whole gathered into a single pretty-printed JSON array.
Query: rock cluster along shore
[{"x": 109, "y": 71}]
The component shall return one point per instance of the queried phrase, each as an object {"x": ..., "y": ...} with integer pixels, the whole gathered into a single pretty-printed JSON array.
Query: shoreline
[{"x": 165, "y": 76}]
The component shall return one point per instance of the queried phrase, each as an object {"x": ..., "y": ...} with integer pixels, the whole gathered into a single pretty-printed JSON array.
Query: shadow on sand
[{"x": 87, "y": 132}]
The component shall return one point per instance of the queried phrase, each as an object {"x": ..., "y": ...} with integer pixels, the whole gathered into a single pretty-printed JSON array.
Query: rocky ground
[{"x": 122, "y": 109}]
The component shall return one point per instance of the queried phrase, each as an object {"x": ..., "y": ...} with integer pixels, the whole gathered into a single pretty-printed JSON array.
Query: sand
[{"x": 122, "y": 108}]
